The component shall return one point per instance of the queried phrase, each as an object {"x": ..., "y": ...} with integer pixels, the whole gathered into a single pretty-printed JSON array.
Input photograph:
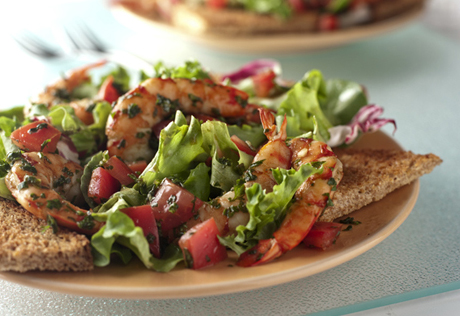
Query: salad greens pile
[
  {"x": 283, "y": 9},
  {"x": 314, "y": 107}
]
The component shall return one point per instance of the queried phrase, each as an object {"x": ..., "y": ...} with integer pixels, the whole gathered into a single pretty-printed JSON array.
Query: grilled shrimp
[
  {"x": 44, "y": 183},
  {"x": 137, "y": 112},
  {"x": 311, "y": 199},
  {"x": 226, "y": 210},
  {"x": 59, "y": 91}
]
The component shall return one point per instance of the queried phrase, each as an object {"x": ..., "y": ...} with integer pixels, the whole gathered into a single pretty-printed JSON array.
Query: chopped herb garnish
[
  {"x": 241, "y": 101},
  {"x": 45, "y": 142},
  {"x": 55, "y": 203},
  {"x": 29, "y": 180},
  {"x": 194, "y": 99},
  {"x": 37, "y": 128},
  {"x": 333, "y": 184},
  {"x": 350, "y": 220},
  {"x": 132, "y": 110},
  {"x": 172, "y": 204},
  {"x": 87, "y": 223},
  {"x": 51, "y": 221},
  {"x": 167, "y": 104},
  {"x": 122, "y": 144}
]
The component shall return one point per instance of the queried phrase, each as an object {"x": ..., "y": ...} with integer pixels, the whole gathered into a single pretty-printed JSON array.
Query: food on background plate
[
  {"x": 186, "y": 165},
  {"x": 244, "y": 18}
]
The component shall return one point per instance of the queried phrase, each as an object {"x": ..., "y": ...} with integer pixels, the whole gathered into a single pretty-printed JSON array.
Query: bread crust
[
  {"x": 371, "y": 174},
  {"x": 24, "y": 246}
]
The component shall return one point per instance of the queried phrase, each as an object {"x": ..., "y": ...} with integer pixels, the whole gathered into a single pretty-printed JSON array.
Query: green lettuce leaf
[
  {"x": 252, "y": 134},
  {"x": 228, "y": 162},
  {"x": 267, "y": 210},
  {"x": 190, "y": 70},
  {"x": 343, "y": 100},
  {"x": 314, "y": 105},
  {"x": 280, "y": 8},
  {"x": 16, "y": 112},
  {"x": 302, "y": 103},
  {"x": 119, "y": 228},
  {"x": 180, "y": 147},
  {"x": 197, "y": 182}
]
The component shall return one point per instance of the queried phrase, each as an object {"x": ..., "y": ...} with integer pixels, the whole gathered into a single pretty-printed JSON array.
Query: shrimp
[
  {"x": 59, "y": 92},
  {"x": 226, "y": 210},
  {"x": 44, "y": 183},
  {"x": 134, "y": 115},
  {"x": 311, "y": 199}
]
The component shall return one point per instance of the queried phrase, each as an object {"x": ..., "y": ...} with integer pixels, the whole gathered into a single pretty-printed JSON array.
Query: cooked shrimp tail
[
  {"x": 311, "y": 199},
  {"x": 59, "y": 92},
  {"x": 45, "y": 185},
  {"x": 137, "y": 112}
]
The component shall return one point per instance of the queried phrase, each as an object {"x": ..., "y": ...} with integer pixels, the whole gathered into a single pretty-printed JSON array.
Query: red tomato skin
[
  {"x": 143, "y": 217},
  {"x": 173, "y": 205},
  {"x": 102, "y": 185},
  {"x": 328, "y": 22},
  {"x": 217, "y": 4},
  {"x": 263, "y": 83},
  {"x": 242, "y": 145},
  {"x": 297, "y": 5},
  {"x": 30, "y": 137},
  {"x": 107, "y": 92},
  {"x": 201, "y": 247},
  {"x": 322, "y": 235},
  {"x": 120, "y": 171},
  {"x": 138, "y": 166}
]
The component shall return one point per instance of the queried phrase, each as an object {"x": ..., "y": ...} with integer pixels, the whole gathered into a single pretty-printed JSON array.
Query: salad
[{"x": 186, "y": 164}]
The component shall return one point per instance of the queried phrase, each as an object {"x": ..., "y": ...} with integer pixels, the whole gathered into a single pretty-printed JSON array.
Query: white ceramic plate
[
  {"x": 379, "y": 220},
  {"x": 267, "y": 43}
]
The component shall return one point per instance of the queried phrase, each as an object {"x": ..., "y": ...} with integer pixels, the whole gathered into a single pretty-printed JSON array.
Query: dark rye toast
[
  {"x": 25, "y": 246},
  {"x": 369, "y": 175}
]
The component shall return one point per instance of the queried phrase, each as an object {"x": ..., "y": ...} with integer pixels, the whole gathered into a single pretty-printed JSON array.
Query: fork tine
[
  {"x": 71, "y": 39},
  {"x": 91, "y": 38},
  {"x": 35, "y": 46}
]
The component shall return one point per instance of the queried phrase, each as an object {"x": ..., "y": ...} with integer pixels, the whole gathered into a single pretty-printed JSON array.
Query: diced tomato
[
  {"x": 120, "y": 171},
  {"x": 263, "y": 83},
  {"x": 242, "y": 145},
  {"x": 173, "y": 205},
  {"x": 143, "y": 217},
  {"x": 322, "y": 235},
  {"x": 297, "y": 5},
  {"x": 201, "y": 247},
  {"x": 159, "y": 127},
  {"x": 36, "y": 136},
  {"x": 138, "y": 166},
  {"x": 107, "y": 91},
  {"x": 328, "y": 22},
  {"x": 102, "y": 185},
  {"x": 217, "y": 4}
]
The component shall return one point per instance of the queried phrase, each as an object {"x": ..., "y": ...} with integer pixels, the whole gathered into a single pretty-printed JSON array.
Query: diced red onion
[
  {"x": 253, "y": 68},
  {"x": 365, "y": 121},
  {"x": 67, "y": 149}
]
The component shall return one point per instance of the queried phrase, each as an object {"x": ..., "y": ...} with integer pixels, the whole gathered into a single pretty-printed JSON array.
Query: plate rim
[
  {"x": 226, "y": 287},
  {"x": 274, "y": 43}
]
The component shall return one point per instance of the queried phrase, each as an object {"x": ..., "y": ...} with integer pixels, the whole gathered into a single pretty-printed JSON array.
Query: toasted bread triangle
[
  {"x": 25, "y": 246},
  {"x": 371, "y": 174}
]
